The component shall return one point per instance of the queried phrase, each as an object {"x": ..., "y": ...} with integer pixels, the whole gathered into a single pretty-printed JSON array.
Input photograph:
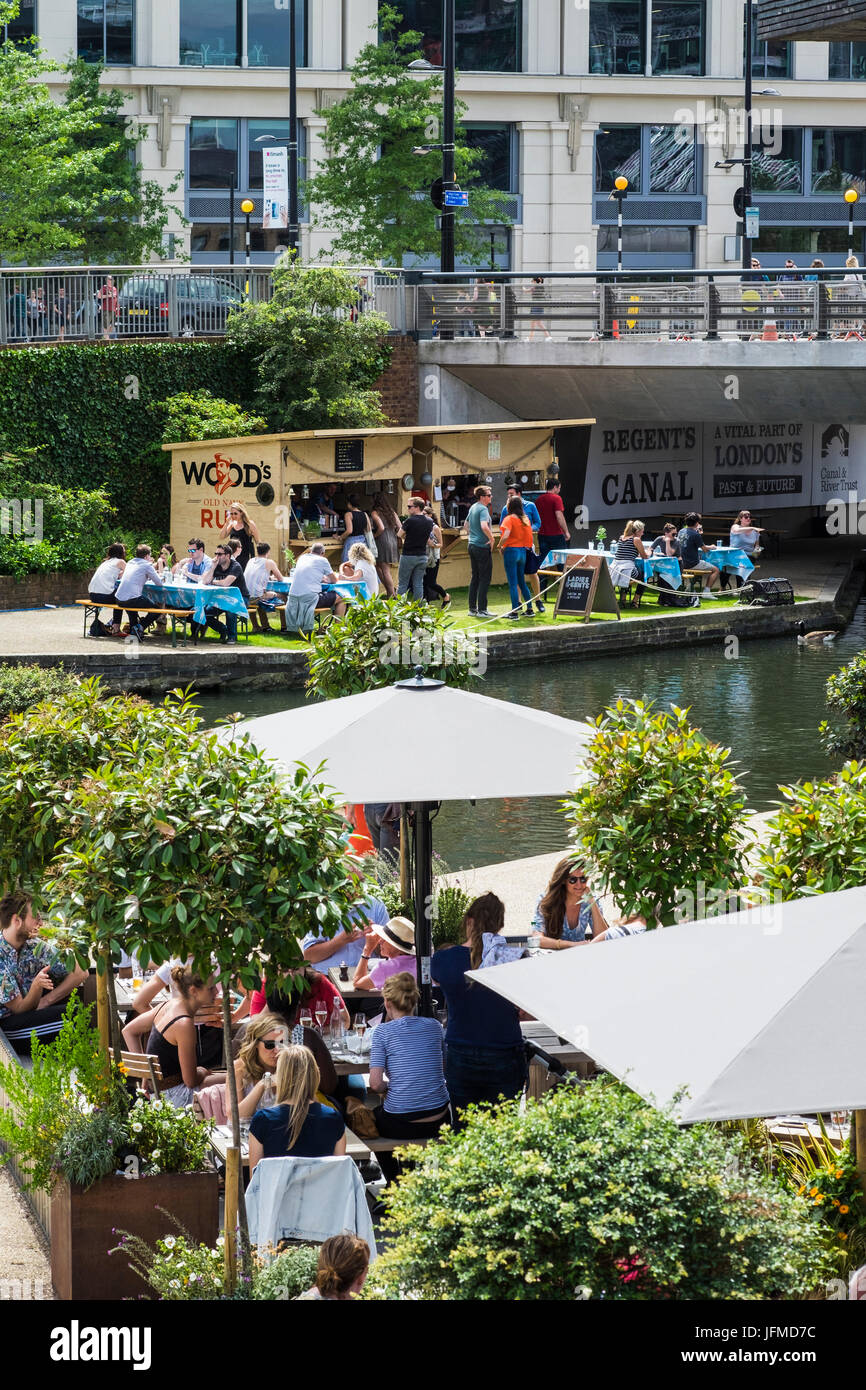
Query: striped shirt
[{"x": 412, "y": 1052}]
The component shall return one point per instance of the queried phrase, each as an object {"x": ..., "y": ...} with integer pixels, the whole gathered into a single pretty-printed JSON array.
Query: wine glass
[
  {"x": 839, "y": 1117},
  {"x": 321, "y": 1016},
  {"x": 360, "y": 1029},
  {"x": 306, "y": 1018}
]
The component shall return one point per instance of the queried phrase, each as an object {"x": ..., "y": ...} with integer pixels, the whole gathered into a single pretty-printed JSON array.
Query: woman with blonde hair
[
  {"x": 340, "y": 1269},
  {"x": 240, "y": 527},
  {"x": 630, "y": 547},
  {"x": 266, "y": 1035},
  {"x": 359, "y": 564},
  {"x": 411, "y": 1051},
  {"x": 485, "y": 1056},
  {"x": 297, "y": 1124}
]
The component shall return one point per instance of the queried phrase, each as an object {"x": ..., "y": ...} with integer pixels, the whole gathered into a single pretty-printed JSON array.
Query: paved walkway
[{"x": 25, "y": 1271}]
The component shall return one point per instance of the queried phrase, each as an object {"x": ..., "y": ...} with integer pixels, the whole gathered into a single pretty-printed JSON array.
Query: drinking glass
[
  {"x": 321, "y": 1017},
  {"x": 839, "y": 1117},
  {"x": 306, "y": 1018}
]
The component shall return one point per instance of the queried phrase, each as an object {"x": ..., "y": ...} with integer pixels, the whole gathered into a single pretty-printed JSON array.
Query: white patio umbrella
[
  {"x": 421, "y": 742},
  {"x": 756, "y": 1013}
]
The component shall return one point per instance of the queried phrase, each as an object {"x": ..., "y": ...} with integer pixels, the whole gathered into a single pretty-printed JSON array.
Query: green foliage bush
[
  {"x": 202, "y": 415},
  {"x": 815, "y": 842},
  {"x": 846, "y": 696},
  {"x": 380, "y": 642},
  {"x": 86, "y": 406},
  {"x": 178, "y": 1269},
  {"x": 592, "y": 1193},
  {"x": 21, "y": 687},
  {"x": 76, "y": 525},
  {"x": 659, "y": 813}
]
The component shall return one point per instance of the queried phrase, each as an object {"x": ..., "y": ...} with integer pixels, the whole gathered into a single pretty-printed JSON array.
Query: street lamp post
[
  {"x": 294, "y": 228},
  {"x": 233, "y": 185},
  {"x": 620, "y": 191},
  {"x": 747, "y": 151},
  {"x": 449, "y": 56},
  {"x": 246, "y": 208},
  {"x": 851, "y": 197}
]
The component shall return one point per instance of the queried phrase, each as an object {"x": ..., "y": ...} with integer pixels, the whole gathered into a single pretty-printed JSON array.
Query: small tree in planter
[
  {"x": 846, "y": 695},
  {"x": 815, "y": 842},
  {"x": 214, "y": 857},
  {"x": 659, "y": 815}
]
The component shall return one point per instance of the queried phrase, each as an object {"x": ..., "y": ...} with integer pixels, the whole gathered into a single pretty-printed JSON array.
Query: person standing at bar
[
  {"x": 554, "y": 527},
  {"x": 480, "y": 552}
]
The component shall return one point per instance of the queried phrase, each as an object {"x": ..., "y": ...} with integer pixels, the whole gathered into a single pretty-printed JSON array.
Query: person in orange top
[{"x": 515, "y": 538}]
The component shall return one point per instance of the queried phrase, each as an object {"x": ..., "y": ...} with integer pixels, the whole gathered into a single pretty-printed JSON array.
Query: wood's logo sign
[
  {"x": 222, "y": 473},
  {"x": 223, "y": 480}
]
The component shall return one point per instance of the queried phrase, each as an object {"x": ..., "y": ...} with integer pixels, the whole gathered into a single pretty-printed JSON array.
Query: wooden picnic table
[{"x": 221, "y": 1138}]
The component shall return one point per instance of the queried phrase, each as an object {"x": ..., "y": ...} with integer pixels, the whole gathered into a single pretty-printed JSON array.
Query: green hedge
[{"x": 78, "y": 403}]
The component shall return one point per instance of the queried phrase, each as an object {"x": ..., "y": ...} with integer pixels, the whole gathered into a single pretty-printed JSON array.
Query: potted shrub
[{"x": 105, "y": 1155}]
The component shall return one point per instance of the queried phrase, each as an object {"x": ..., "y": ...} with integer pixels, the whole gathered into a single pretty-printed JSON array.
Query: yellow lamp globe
[
  {"x": 851, "y": 195},
  {"x": 247, "y": 206},
  {"x": 621, "y": 184}
]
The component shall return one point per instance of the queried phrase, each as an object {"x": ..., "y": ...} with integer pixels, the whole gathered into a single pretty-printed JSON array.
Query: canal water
[{"x": 765, "y": 704}]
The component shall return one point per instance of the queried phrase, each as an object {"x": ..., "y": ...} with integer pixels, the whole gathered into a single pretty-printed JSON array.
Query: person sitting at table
[
  {"x": 34, "y": 983},
  {"x": 347, "y": 946},
  {"x": 313, "y": 989},
  {"x": 138, "y": 572},
  {"x": 744, "y": 535},
  {"x": 485, "y": 1057},
  {"x": 166, "y": 561},
  {"x": 208, "y": 1021},
  {"x": 256, "y": 1063},
  {"x": 196, "y": 565},
  {"x": 173, "y": 1038},
  {"x": 297, "y": 1124},
  {"x": 103, "y": 586},
  {"x": 691, "y": 540},
  {"x": 341, "y": 1269},
  {"x": 361, "y": 565},
  {"x": 288, "y": 1007},
  {"x": 225, "y": 573},
  {"x": 396, "y": 945},
  {"x": 311, "y": 571},
  {"x": 257, "y": 574},
  {"x": 411, "y": 1052},
  {"x": 667, "y": 543},
  {"x": 565, "y": 915},
  {"x": 630, "y": 548}
]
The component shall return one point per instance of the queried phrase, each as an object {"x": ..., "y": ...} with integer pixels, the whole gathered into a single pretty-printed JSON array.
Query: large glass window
[
  {"x": 24, "y": 27},
  {"x": 678, "y": 36},
  {"x": 255, "y": 145},
  {"x": 487, "y": 32},
  {"x": 268, "y": 38},
  {"x": 769, "y": 58},
  {"x": 617, "y": 151},
  {"x": 643, "y": 240},
  {"x": 212, "y": 239},
  {"x": 209, "y": 32},
  {"x": 616, "y": 36},
  {"x": 777, "y": 163},
  {"x": 106, "y": 30},
  {"x": 848, "y": 62},
  {"x": 213, "y": 152},
  {"x": 496, "y": 143},
  {"x": 804, "y": 241},
  {"x": 672, "y": 160},
  {"x": 838, "y": 160}
]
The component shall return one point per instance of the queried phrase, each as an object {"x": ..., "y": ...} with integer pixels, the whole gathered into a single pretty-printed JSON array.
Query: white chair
[{"x": 307, "y": 1199}]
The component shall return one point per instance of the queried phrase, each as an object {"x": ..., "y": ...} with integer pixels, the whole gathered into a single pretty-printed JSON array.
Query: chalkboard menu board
[
  {"x": 577, "y": 585},
  {"x": 348, "y": 455}
]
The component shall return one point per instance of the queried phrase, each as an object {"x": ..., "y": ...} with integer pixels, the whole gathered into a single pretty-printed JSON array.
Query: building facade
[{"x": 562, "y": 95}]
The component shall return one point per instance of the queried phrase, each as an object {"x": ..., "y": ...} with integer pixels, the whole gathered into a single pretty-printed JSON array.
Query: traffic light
[
  {"x": 740, "y": 203},
  {"x": 437, "y": 194}
]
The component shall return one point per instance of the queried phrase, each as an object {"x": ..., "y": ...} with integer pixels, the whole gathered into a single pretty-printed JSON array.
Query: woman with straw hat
[{"x": 396, "y": 944}]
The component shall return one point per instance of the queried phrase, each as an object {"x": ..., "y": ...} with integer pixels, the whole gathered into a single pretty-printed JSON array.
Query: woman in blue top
[
  {"x": 411, "y": 1051},
  {"x": 565, "y": 916},
  {"x": 298, "y": 1125},
  {"x": 485, "y": 1057}
]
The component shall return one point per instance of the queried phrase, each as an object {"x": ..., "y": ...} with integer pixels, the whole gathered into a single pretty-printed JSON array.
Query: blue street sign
[
  {"x": 753, "y": 222},
  {"x": 454, "y": 198}
]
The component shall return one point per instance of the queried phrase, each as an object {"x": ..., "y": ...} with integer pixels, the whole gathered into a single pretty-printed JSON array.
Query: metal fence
[{"x": 50, "y": 304}]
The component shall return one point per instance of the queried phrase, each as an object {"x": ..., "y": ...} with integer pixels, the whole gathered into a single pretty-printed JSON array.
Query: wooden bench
[
  {"x": 177, "y": 615},
  {"x": 321, "y": 615}
]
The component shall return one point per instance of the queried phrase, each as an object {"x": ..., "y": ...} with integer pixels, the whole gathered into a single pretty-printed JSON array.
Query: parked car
[{"x": 203, "y": 304}]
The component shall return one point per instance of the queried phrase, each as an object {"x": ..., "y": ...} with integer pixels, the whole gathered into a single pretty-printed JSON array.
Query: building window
[
  {"x": 24, "y": 27},
  {"x": 268, "y": 38},
  {"x": 777, "y": 164},
  {"x": 618, "y": 35},
  {"x": 804, "y": 241},
  {"x": 254, "y": 177},
  {"x": 209, "y": 32},
  {"x": 672, "y": 160},
  {"x": 498, "y": 144},
  {"x": 212, "y": 239},
  {"x": 770, "y": 58},
  {"x": 848, "y": 62},
  {"x": 213, "y": 153},
  {"x": 838, "y": 160},
  {"x": 639, "y": 240},
  {"x": 487, "y": 32},
  {"x": 106, "y": 31},
  {"x": 618, "y": 152}
]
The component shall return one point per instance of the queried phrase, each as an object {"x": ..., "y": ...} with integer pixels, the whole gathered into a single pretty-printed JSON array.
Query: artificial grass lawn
[{"x": 500, "y": 602}]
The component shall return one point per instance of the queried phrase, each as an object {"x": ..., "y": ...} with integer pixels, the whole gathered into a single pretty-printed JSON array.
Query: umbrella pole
[
  {"x": 405, "y": 856},
  {"x": 423, "y": 903}
]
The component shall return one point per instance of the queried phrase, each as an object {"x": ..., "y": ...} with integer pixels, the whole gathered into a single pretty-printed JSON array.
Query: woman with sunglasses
[
  {"x": 745, "y": 536},
  {"x": 256, "y": 1064},
  {"x": 565, "y": 916}
]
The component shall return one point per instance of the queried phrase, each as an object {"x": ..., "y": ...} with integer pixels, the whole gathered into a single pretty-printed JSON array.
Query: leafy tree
[
  {"x": 370, "y": 187},
  {"x": 120, "y": 216},
  {"x": 659, "y": 815},
  {"x": 592, "y": 1194},
  {"x": 816, "y": 841},
  {"x": 381, "y": 642},
  {"x": 202, "y": 415},
  {"x": 846, "y": 694},
  {"x": 65, "y": 165},
  {"x": 316, "y": 368}
]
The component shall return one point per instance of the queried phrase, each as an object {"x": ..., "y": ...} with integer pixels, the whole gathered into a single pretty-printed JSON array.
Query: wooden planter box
[{"x": 81, "y": 1228}]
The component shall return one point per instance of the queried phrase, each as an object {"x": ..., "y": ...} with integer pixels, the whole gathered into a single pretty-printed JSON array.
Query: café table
[
  {"x": 565, "y": 557},
  {"x": 221, "y": 1138},
  {"x": 198, "y": 597},
  {"x": 731, "y": 559},
  {"x": 373, "y": 997},
  {"x": 346, "y": 588},
  {"x": 666, "y": 567},
  {"x": 564, "y": 1052}
]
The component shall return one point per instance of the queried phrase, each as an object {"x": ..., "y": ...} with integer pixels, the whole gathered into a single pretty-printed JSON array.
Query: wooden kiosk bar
[{"x": 295, "y": 487}]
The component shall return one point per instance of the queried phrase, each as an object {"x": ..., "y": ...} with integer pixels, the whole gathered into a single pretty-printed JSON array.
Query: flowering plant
[
  {"x": 166, "y": 1139},
  {"x": 827, "y": 1179},
  {"x": 178, "y": 1269}
]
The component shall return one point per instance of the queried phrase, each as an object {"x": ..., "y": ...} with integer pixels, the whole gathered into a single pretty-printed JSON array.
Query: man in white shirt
[
  {"x": 138, "y": 572},
  {"x": 305, "y": 594},
  {"x": 257, "y": 573}
]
